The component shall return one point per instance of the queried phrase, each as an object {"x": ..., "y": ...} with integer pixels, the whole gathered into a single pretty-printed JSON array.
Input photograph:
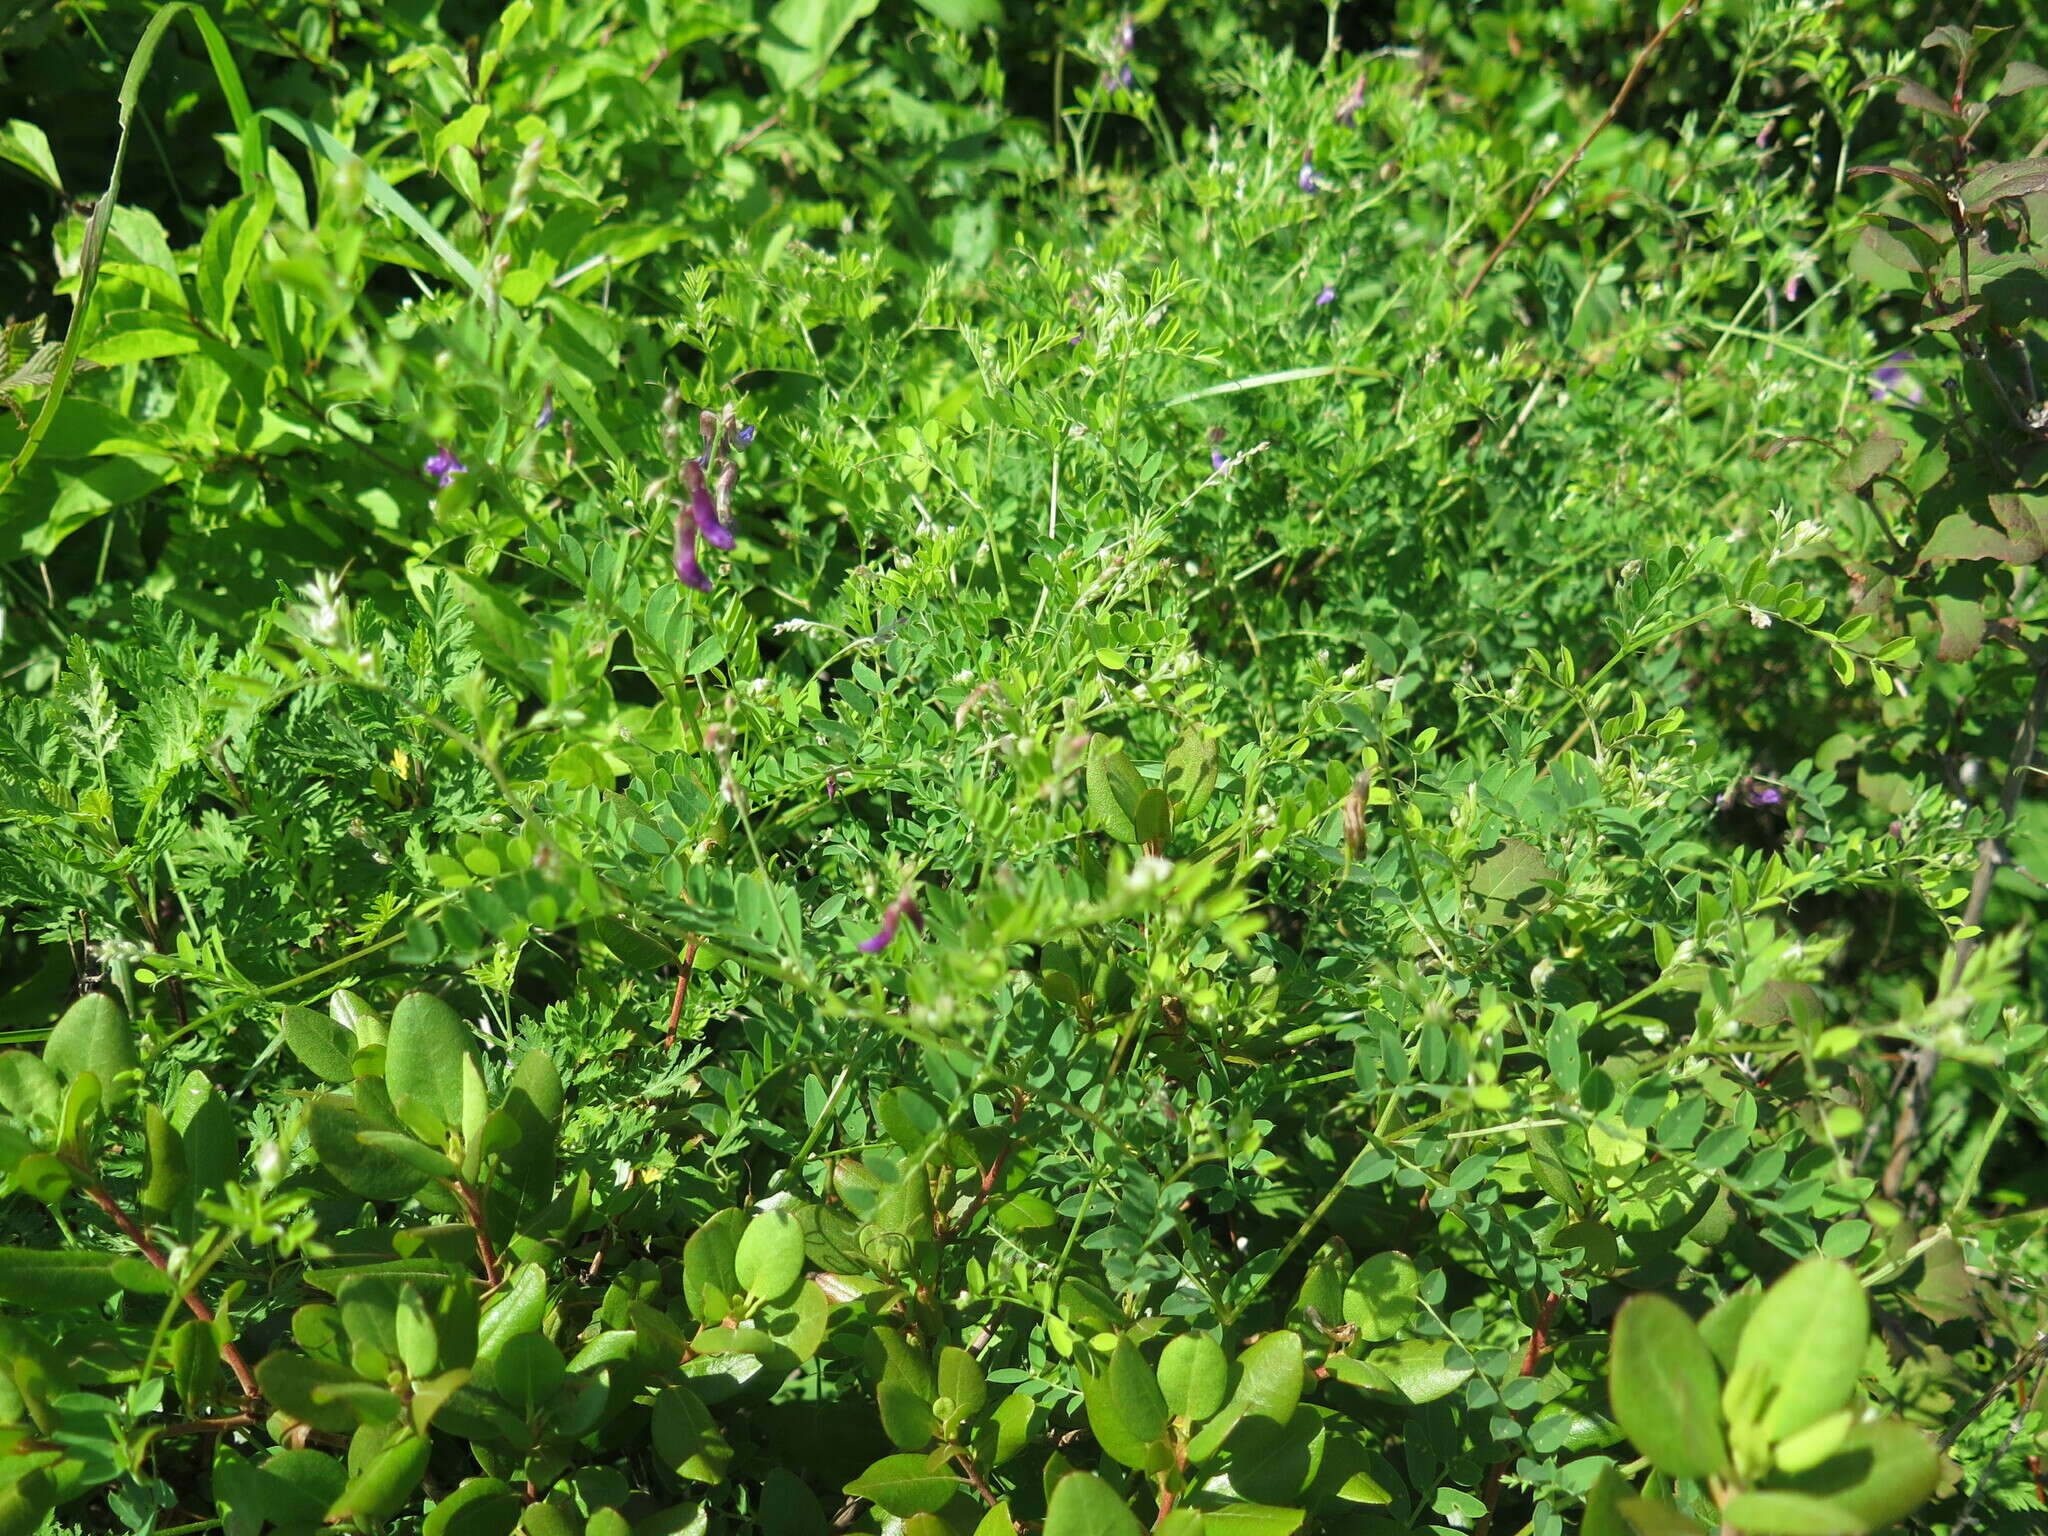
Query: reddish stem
[
  {"x": 1532, "y": 1359},
  {"x": 675, "y": 1012},
  {"x": 473, "y": 1211},
  {"x": 230, "y": 1356}
]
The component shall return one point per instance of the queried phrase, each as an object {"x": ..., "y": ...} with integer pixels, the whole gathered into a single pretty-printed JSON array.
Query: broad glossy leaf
[
  {"x": 906, "y": 1485},
  {"x": 769, "y": 1260},
  {"x": 95, "y": 1036},
  {"x": 382, "y": 1488},
  {"x": 528, "y": 1372},
  {"x": 1381, "y": 1297},
  {"x": 1126, "y": 1410},
  {"x": 424, "y": 1056},
  {"x": 335, "y": 1127},
  {"x": 1082, "y": 1504},
  {"x": 479, "y": 1506},
  {"x": 1194, "y": 1376},
  {"x": 685, "y": 1438},
  {"x": 1666, "y": 1389},
  {"x": 1802, "y": 1351}
]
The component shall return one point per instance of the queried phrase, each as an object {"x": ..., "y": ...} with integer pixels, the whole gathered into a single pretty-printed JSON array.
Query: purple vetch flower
[
  {"x": 1126, "y": 80},
  {"x": 884, "y": 936},
  {"x": 1127, "y": 36},
  {"x": 547, "y": 409},
  {"x": 1218, "y": 460},
  {"x": 703, "y": 509},
  {"x": 444, "y": 467},
  {"x": 742, "y": 434},
  {"x": 1890, "y": 381},
  {"x": 1759, "y": 794},
  {"x": 1307, "y": 179},
  {"x": 688, "y": 571},
  {"x": 1328, "y": 295}
]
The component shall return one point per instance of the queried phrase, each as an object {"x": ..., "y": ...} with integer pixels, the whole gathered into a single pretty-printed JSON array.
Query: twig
[
  {"x": 230, "y": 1356},
  {"x": 675, "y": 1012},
  {"x": 219, "y": 1426},
  {"x": 473, "y": 1211},
  {"x": 1990, "y": 855},
  {"x": 1628, "y": 86}
]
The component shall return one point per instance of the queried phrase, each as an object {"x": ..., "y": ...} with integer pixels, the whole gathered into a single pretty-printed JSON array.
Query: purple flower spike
[
  {"x": 1328, "y": 295},
  {"x": 742, "y": 434},
  {"x": 444, "y": 467},
  {"x": 716, "y": 534},
  {"x": 1890, "y": 381},
  {"x": 688, "y": 571},
  {"x": 884, "y": 936},
  {"x": 1307, "y": 180}
]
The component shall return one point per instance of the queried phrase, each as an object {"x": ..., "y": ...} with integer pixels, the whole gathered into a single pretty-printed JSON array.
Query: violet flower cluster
[
  {"x": 903, "y": 906},
  {"x": 443, "y": 467},
  {"x": 705, "y": 502}
]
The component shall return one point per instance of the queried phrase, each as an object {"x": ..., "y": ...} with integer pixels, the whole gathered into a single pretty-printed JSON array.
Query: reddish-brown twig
[{"x": 1543, "y": 192}]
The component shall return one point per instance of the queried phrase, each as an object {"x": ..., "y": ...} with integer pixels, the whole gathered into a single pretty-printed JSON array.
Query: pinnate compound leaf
[{"x": 1665, "y": 1388}]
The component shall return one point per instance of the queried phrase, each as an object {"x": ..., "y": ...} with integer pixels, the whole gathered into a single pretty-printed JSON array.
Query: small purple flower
[
  {"x": 1891, "y": 381},
  {"x": 1307, "y": 179},
  {"x": 1126, "y": 80},
  {"x": 1127, "y": 36},
  {"x": 688, "y": 571},
  {"x": 1328, "y": 295},
  {"x": 882, "y": 937},
  {"x": 1758, "y": 794},
  {"x": 1218, "y": 460},
  {"x": 547, "y": 409},
  {"x": 704, "y": 510},
  {"x": 742, "y": 434},
  {"x": 444, "y": 467}
]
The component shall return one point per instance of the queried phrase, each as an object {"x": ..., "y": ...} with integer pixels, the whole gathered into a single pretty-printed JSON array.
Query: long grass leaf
[{"x": 90, "y": 251}]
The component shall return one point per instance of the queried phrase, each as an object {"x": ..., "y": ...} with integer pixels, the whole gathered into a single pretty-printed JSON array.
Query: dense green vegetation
[{"x": 963, "y": 767}]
